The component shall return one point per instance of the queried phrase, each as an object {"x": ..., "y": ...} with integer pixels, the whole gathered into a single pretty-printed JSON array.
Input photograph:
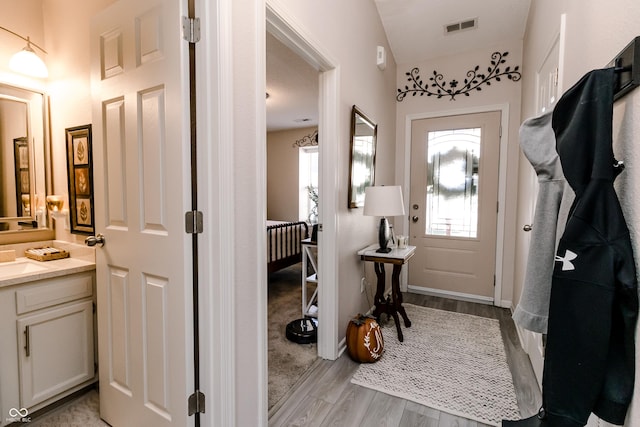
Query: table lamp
[{"x": 383, "y": 201}]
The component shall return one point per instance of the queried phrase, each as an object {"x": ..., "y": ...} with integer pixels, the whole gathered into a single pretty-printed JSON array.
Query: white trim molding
[
  {"x": 450, "y": 294},
  {"x": 217, "y": 278}
]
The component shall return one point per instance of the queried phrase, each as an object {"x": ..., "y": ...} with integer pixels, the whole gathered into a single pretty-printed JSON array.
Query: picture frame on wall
[
  {"x": 23, "y": 176},
  {"x": 80, "y": 179}
]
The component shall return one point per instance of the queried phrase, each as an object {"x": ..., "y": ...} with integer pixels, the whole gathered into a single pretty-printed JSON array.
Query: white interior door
[
  {"x": 141, "y": 142},
  {"x": 453, "y": 209},
  {"x": 547, "y": 89}
]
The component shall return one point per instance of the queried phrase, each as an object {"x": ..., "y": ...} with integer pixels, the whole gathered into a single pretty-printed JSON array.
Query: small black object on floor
[
  {"x": 302, "y": 331},
  {"x": 538, "y": 420}
]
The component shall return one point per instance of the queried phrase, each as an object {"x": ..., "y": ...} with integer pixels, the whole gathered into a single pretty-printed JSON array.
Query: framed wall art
[
  {"x": 80, "y": 178},
  {"x": 23, "y": 188}
]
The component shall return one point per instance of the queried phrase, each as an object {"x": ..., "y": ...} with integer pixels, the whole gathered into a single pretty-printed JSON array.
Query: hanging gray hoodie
[{"x": 555, "y": 196}]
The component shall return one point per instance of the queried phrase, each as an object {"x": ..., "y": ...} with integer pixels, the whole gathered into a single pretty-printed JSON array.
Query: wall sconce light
[
  {"x": 54, "y": 206},
  {"x": 26, "y": 61}
]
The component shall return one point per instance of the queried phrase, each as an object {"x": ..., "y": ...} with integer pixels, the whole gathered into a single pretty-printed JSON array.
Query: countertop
[
  {"x": 39, "y": 270},
  {"x": 402, "y": 254}
]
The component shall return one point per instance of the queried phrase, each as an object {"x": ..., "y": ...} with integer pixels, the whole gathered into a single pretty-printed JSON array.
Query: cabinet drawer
[{"x": 52, "y": 292}]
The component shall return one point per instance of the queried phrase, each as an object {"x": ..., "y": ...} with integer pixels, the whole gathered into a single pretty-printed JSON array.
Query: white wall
[
  {"x": 25, "y": 19},
  {"x": 505, "y": 92},
  {"x": 595, "y": 33},
  {"x": 349, "y": 32},
  {"x": 13, "y": 124},
  {"x": 283, "y": 185},
  {"x": 67, "y": 29},
  {"x": 61, "y": 27}
]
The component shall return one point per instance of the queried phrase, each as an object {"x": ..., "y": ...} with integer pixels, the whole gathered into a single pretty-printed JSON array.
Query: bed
[{"x": 283, "y": 243}]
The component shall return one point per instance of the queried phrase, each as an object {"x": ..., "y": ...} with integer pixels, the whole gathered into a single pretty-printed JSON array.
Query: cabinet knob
[
  {"x": 414, "y": 218},
  {"x": 527, "y": 227}
]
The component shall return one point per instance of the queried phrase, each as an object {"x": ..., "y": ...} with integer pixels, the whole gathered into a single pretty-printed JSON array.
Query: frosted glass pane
[{"x": 453, "y": 162}]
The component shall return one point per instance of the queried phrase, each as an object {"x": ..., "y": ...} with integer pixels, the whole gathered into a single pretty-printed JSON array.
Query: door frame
[
  {"x": 282, "y": 27},
  {"x": 532, "y": 342},
  {"x": 502, "y": 193},
  {"x": 214, "y": 57},
  {"x": 220, "y": 377}
]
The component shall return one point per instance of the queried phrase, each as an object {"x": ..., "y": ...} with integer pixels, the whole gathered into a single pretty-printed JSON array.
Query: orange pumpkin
[{"x": 364, "y": 339}]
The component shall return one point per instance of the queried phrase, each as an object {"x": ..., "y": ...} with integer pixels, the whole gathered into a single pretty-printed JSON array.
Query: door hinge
[
  {"x": 500, "y": 132},
  {"x": 191, "y": 29},
  {"x": 94, "y": 307},
  {"x": 494, "y": 280},
  {"x": 196, "y": 403},
  {"x": 497, "y": 206},
  {"x": 193, "y": 222}
]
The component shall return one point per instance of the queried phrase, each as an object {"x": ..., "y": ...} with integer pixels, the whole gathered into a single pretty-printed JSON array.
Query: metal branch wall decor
[
  {"x": 474, "y": 81},
  {"x": 307, "y": 140}
]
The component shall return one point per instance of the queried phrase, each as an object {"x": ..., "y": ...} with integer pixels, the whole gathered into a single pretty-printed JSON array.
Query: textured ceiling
[
  {"x": 292, "y": 85},
  {"x": 415, "y": 28}
]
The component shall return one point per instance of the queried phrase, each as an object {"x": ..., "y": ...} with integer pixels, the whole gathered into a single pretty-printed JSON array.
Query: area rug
[
  {"x": 288, "y": 361},
  {"x": 448, "y": 361}
]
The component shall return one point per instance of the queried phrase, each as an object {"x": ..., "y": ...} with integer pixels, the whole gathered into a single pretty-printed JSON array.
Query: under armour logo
[{"x": 569, "y": 256}]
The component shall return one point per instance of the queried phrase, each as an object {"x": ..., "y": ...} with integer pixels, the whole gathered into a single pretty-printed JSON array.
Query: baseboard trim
[
  {"x": 450, "y": 294},
  {"x": 342, "y": 347},
  {"x": 507, "y": 304}
]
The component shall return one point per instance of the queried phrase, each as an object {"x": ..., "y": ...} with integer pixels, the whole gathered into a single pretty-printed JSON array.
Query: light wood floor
[{"x": 326, "y": 397}]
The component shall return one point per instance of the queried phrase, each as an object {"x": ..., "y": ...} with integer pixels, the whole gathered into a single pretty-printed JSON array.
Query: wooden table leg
[
  {"x": 379, "y": 301},
  {"x": 392, "y": 305},
  {"x": 397, "y": 295}
]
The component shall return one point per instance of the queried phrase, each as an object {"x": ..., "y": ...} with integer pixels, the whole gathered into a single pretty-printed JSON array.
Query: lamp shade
[
  {"x": 27, "y": 62},
  {"x": 383, "y": 201}
]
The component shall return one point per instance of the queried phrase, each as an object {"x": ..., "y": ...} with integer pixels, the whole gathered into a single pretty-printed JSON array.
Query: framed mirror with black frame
[{"x": 364, "y": 132}]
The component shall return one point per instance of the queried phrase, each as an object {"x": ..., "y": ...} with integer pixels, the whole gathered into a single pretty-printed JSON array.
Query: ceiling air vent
[{"x": 467, "y": 24}]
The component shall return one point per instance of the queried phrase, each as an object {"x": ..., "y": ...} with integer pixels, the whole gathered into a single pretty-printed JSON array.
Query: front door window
[{"x": 453, "y": 161}]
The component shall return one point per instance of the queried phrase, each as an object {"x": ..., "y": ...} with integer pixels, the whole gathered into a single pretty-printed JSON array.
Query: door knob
[
  {"x": 98, "y": 239},
  {"x": 527, "y": 227},
  {"x": 414, "y": 218}
]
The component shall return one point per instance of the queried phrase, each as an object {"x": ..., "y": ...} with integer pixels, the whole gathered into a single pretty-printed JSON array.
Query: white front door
[
  {"x": 453, "y": 204},
  {"x": 141, "y": 142}
]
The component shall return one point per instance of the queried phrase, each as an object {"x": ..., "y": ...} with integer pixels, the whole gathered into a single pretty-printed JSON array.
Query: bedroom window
[{"x": 308, "y": 179}]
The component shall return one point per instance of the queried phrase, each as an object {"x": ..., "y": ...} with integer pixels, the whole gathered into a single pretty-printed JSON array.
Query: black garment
[{"x": 589, "y": 359}]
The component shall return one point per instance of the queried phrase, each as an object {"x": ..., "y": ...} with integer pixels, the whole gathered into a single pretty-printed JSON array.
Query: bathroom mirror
[
  {"x": 24, "y": 158},
  {"x": 363, "y": 156}
]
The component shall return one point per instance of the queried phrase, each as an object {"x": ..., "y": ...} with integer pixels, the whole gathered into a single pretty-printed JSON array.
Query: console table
[{"x": 392, "y": 305}]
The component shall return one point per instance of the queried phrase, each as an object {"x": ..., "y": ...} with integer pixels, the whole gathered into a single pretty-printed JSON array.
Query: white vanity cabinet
[
  {"x": 52, "y": 325},
  {"x": 56, "y": 352}
]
